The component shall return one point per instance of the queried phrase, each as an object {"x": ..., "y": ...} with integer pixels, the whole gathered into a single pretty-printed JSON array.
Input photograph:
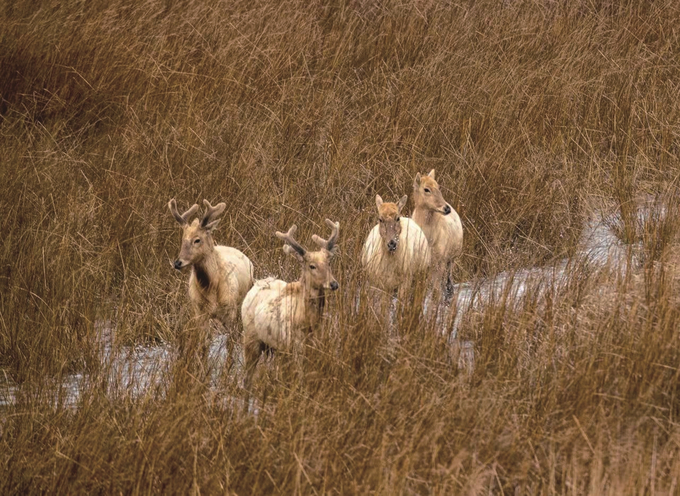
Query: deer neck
[
  {"x": 206, "y": 271},
  {"x": 314, "y": 298},
  {"x": 423, "y": 216}
]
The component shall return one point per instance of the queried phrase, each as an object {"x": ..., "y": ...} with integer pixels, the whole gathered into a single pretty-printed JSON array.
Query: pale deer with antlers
[
  {"x": 396, "y": 250},
  {"x": 277, "y": 314},
  {"x": 220, "y": 275},
  {"x": 440, "y": 223}
]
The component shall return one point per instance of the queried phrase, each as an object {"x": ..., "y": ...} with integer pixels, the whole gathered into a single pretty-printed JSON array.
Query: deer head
[
  {"x": 426, "y": 194},
  {"x": 197, "y": 240},
  {"x": 316, "y": 269},
  {"x": 389, "y": 221}
]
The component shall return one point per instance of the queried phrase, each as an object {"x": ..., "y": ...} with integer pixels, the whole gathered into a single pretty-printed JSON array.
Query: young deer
[
  {"x": 220, "y": 275},
  {"x": 396, "y": 249},
  {"x": 440, "y": 223},
  {"x": 277, "y": 314}
]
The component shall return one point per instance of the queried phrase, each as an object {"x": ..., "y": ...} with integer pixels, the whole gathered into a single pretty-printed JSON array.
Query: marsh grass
[{"x": 292, "y": 112}]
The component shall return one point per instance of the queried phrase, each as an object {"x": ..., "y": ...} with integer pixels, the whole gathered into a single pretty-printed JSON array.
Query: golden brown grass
[{"x": 533, "y": 113}]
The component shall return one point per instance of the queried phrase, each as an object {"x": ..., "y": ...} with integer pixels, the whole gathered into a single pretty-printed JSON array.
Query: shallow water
[
  {"x": 599, "y": 248},
  {"x": 130, "y": 371},
  {"x": 141, "y": 370}
]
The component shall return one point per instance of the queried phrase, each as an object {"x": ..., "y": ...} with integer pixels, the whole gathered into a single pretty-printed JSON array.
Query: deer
[
  {"x": 220, "y": 275},
  {"x": 277, "y": 314},
  {"x": 440, "y": 223},
  {"x": 396, "y": 249}
]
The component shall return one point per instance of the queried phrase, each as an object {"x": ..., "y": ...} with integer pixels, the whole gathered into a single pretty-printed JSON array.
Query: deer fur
[
  {"x": 396, "y": 249},
  {"x": 438, "y": 220},
  {"x": 277, "y": 314},
  {"x": 220, "y": 275}
]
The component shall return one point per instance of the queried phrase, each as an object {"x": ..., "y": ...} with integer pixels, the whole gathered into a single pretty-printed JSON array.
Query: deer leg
[
  {"x": 252, "y": 351},
  {"x": 393, "y": 307},
  {"x": 448, "y": 288},
  {"x": 232, "y": 328}
]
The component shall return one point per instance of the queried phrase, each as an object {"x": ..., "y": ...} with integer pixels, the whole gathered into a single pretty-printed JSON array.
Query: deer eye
[
  {"x": 312, "y": 266},
  {"x": 197, "y": 241},
  {"x": 427, "y": 190},
  {"x": 396, "y": 219},
  {"x": 381, "y": 221}
]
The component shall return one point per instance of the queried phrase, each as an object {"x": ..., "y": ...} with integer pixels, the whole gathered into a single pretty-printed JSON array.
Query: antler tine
[
  {"x": 183, "y": 218},
  {"x": 335, "y": 226},
  {"x": 212, "y": 212},
  {"x": 330, "y": 243},
  {"x": 289, "y": 239}
]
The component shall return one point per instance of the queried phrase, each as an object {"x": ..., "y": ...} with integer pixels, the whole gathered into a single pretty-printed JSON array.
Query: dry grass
[{"x": 531, "y": 112}]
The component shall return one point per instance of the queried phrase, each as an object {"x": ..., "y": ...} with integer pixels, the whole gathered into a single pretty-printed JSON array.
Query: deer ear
[
  {"x": 378, "y": 201},
  {"x": 431, "y": 174},
  {"x": 289, "y": 250},
  {"x": 212, "y": 225},
  {"x": 402, "y": 202},
  {"x": 416, "y": 182}
]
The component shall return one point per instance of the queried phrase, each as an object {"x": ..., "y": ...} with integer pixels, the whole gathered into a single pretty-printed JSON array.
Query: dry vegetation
[{"x": 533, "y": 113}]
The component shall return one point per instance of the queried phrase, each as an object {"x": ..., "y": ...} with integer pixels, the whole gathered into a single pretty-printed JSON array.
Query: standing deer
[
  {"x": 220, "y": 275},
  {"x": 396, "y": 250},
  {"x": 440, "y": 223},
  {"x": 277, "y": 314}
]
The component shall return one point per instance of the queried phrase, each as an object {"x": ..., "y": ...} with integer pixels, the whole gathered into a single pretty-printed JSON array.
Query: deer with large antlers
[
  {"x": 440, "y": 223},
  {"x": 277, "y": 314},
  {"x": 396, "y": 249},
  {"x": 220, "y": 275}
]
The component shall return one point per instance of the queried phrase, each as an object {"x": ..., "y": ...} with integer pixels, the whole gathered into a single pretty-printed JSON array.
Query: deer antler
[
  {"x": 211, "y": 212},
  {"x": 184, "y": 218},
  {"x": 289, "y": 239},
  {"x": 330, "y": 243}
]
